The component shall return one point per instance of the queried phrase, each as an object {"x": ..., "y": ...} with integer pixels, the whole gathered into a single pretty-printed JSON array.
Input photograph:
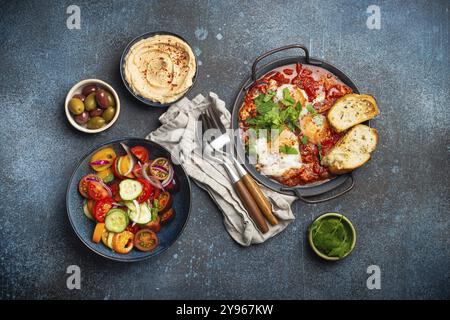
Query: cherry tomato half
[
  {"x": 82, "y": 185},
  {"x": 146, "y": 240},
  {"x": 147, "y": 190},
  {"x": 123, "y": 242},
  {"x": 160, "y": 168},
  {"x": 133, "y": 229},
  {"x": 115, "y": 191},
  {"x": 98, "y": 231},
  {"x": 156, "y": 193},
  {"x": 288, "y": 71},
  {"x": 141, "y": 153},
  {"x": 137, "y": 170},
  {"x": 90, "y": 206},
  {"x": 114, "y": 168},
  {"x": 167, "y": 216},
  {"x": 174, "y": 185},
  {"x": 164, "y": 201},
  {"x": 101, "y": 208},
  {"x": 96, "y": 191},
  {"x": 154, "y": 225}
]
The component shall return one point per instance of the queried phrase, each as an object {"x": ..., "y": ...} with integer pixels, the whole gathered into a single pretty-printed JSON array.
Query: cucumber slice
[
  {"x": 130, "y": 189},
  {"x": 86, "y": 211},
  {"x": 130, "y": 205},
  {"x": 105, "y": 237},
  {"x": 110, "y": 240},
  {"x": 141, "y": 216},
  {"x": 126, "y": 214},
  {"x": 118, "y": 166},
  {"x": 116, "y": 220}
]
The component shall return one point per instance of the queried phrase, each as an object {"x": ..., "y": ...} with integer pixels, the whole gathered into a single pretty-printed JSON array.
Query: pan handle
[
  {"x": 305, "y": 199},
  {"x": 268, "y": 53}
]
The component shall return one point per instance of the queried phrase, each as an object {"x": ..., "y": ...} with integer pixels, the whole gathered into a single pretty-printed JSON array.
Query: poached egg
[{"x": 271, "y": 161}]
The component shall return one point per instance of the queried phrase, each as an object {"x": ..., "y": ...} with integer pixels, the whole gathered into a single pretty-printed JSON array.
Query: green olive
[
  {"x": 95, "y": 123},
  {"x": 111, "y": 100},
  {"x": 108, "y": 114},
  {"x": 76, "y": 106},
  {"x": 90, "y": 103}
]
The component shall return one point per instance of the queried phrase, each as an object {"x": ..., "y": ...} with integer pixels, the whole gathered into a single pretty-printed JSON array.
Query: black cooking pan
[{"x": 305, "y": 191}]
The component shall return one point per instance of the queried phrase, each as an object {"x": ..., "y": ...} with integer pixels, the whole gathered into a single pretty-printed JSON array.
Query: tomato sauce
[{"x": 322, "y": 89}]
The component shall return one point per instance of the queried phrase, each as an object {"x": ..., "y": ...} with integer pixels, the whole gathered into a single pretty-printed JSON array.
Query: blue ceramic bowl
[
  {"x": 122, "y": 65},
  {"x": 84, "y": 227}
]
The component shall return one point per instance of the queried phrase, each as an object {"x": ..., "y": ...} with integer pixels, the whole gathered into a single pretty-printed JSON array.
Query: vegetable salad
[{"x": 129, "y": 197}]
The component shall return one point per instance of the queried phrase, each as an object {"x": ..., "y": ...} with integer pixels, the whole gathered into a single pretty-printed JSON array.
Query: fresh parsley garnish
[
  {"x": 304, "y": 140},
  {"x": 288, "y": 101},
  {"x": 311, "y": 109},
  {"x": 269, "y": 96},
  {"x": 252, "y": 121},
  {"x": 291, "y": 126},
  {"x": 288, "y": 150},
  {"x": 155, "y": 209},
  {"x": 271, "y": 115},
  {"x": 263, "y": 106}
]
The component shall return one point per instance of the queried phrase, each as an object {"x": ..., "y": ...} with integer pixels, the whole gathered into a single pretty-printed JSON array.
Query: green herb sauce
[{"x": 332, "y": 236}]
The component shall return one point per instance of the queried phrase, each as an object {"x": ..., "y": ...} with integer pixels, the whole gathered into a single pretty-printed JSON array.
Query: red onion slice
[
  {"x": 169, "y": 178},
  {"x": 152, "y": 180},
  {"x": 138, "y": 209},
  {"x": 99, "y": 163},
  {"x": 93, "y": 179},
  {"x": 104, "y": 185},
  {"x": 160, "y": 168}
]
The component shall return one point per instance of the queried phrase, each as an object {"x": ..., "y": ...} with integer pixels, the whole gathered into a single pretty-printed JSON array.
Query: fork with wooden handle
[
  {"x": 246, "y": 197},
  {"x": 254, "y": 189}
]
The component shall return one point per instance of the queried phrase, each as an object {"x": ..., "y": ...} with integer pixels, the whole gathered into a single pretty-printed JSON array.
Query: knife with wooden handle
[
  {"x": 251, "y": 206},
  {"x": 247, "y": 200},
  {"x": 260, "y": 198},
  {"x": 256, "y": 192}
]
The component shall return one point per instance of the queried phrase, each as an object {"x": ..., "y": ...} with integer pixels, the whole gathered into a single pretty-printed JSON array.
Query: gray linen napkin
[{"x": 177, "y": 134}]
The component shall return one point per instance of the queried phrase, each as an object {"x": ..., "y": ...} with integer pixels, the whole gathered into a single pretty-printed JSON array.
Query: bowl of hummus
[{"x": 158, "y": 68}]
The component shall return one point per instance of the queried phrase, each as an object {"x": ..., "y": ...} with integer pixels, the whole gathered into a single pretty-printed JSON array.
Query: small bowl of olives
[{"x": 92, "y": 106}]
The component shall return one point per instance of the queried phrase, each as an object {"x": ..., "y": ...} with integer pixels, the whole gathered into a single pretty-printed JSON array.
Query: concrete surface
[{"x": 400, "y": 206}]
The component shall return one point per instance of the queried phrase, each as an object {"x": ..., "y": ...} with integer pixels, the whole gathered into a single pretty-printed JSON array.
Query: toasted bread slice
[
  {"x": 351, "y": 110},
  {"x": 352, "y": 150}
]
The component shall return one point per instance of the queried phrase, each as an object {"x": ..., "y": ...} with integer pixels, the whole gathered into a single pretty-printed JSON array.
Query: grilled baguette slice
[
  {"x": 352, "y": 150},
  {"x": 351, "y": 110}
]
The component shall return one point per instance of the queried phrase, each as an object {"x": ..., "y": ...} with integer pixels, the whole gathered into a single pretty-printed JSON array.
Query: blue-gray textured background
[{"x": 400, "y": 205}]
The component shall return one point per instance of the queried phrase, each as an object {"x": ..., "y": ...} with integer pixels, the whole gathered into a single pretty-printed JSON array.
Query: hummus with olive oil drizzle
[{"x": 160, "y": 68}]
